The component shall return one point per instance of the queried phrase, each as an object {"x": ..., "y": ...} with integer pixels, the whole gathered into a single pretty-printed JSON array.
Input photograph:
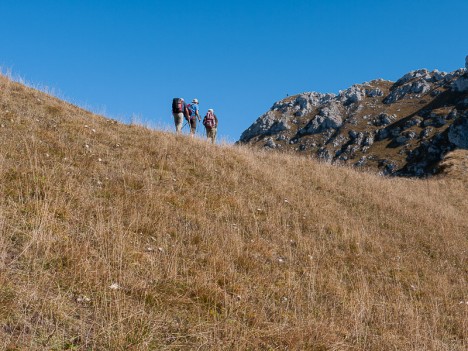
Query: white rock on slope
[
  {"x": 266, "y": 124},
  {"x": 351, "y": 95},
  {"x": 329, "y": 117},
  {"x": 461, "y": 84},
  {"x": 417, "y": 87}
]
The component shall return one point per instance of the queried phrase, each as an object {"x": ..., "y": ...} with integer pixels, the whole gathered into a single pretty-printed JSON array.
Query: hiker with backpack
[
  {"x": 211, "y": 125},
  {"x": 193, "y": 116},
  {"x": 179, "y": 112}
]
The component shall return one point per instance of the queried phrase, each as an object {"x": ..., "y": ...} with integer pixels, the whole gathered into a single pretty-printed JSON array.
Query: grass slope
[{"x": 115, "y": 237}]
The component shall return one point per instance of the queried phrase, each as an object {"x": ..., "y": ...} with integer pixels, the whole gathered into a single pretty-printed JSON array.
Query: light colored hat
[
  {"x": 195, "y": 101},
  {"x": 211, "y": 110}
]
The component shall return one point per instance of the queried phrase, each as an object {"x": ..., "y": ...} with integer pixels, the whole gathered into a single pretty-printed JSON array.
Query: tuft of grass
[{"x": 455, "y": 165}]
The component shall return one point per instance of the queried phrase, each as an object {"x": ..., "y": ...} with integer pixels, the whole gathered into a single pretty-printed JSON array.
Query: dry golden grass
[
  {"x": 455, "y": 165},
  {"x": 214, "y": 247}
]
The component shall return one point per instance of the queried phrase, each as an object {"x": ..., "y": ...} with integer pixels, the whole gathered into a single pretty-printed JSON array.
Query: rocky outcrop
[
  {"x": 461, "y": 84},
  {"x": 277, "y": 119},
  {"x": 329, "y": 117},
  {"x": 414, "y": 84},
  {"x": 417, "y": 87},
  {"x": 458, "y": 132},
  {"x": 402, "y": 128},
  {"x": 267, "y": 124}
]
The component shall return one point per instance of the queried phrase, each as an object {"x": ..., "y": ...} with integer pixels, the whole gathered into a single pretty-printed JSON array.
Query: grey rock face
[
  {"x": 374, "y": 92},
  {"x": 270, "y": 143},
  {"x": 426, "y": 132},
  {"x": 461, "y": 84},
  {"x": 395, "y": 132},
  {"x": 324, "y": 154},
  {"x": 458, "y": 133},
  {"x": 267, "y": 124},
  {"x": 329, "y": 117},
  {"x": 351, "y": 95},
  {"x": 388, "y": 167},
  {"x": 438, "y": 76},
  {"x": 384, "y": 119},
  {"x": 401, "y": 139},
  {"x": 437, "y": 121},
  {"x": 281, "y": 137},
  {"x": 417, "y": 83},
  {"x": 382, "y": 134},
  {"x": 303, "y": 105},
  {"x": 415, "y": 121},
  {"x": 399, "y": 92},
  {"x": 369, "y": 140},
  {"x": 421, "y": 74},
  {"x": 361, "y": 162},
  {"x": 455, "y": 74},
  {"x": 339, "y": 140}
]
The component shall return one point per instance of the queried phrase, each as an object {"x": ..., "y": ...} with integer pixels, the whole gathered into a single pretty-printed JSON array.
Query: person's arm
[
  {"x": 216, "y": 121},
  {"x": 186, "y": 112}
]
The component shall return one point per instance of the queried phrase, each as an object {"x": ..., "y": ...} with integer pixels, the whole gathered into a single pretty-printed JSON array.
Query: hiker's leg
[
  {"x": 193, "y": 126},
  {"x": 178, "y": 120},
  {"x": 214, "y": 131}
]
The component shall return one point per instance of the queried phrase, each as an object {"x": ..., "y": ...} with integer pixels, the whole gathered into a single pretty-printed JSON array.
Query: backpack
[
  {"x": 191, "y": 111},
  {"x": 177, "y": 105},
  {"x": 209, "y": 121}
]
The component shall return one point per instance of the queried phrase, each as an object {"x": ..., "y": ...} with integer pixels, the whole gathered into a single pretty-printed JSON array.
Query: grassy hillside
[{"x": 115, "y": 237}]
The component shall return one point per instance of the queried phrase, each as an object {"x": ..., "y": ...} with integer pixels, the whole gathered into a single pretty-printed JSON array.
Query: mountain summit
[{"x": 403, "y": 128}]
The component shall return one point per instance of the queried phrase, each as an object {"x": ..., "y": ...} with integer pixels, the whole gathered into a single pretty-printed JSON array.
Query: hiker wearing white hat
[
  {"x": 211, "y": 125},
  {"x": 194, "y": 115}
]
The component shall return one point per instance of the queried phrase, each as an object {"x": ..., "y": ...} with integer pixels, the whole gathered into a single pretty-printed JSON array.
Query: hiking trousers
[
  {"x": 211, "y": 133},
  {"x": 193, "y": 125},
  {"x": 178, "y": 121}
]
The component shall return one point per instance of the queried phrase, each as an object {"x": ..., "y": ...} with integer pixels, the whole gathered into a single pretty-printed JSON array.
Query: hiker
[
  {"x": 179, "y": 111},
  {"x": 194, "y": 115},
  {"x": 211, "y": 125}
]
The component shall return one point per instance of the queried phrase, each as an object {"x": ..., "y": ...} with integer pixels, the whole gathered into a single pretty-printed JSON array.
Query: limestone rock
[
  {"x": 420, "y": 74},
  {"x": 329, "y": 117},
  {"x": 374, "y": 92},
  {"x": 267, "y": 124},
  {"x": 458, "y": 132},
  {"x": 384, "y": 119},
  {"x": 417, "y": 87},
  {"x": 270, "y": 143},
  {"x": 461, "y": 84},
  {"x": 352, "y": 95}
]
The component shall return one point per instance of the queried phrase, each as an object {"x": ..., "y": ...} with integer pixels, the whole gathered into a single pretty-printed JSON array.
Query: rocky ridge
[{"x": 400, "y": 128}]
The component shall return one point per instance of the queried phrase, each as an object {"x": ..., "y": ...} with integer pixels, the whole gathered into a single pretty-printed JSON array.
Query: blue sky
[{"x": 125, "y": 58}]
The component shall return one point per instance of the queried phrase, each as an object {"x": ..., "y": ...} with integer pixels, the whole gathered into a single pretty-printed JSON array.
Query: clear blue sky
[{"x": 238, "y": 57}]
